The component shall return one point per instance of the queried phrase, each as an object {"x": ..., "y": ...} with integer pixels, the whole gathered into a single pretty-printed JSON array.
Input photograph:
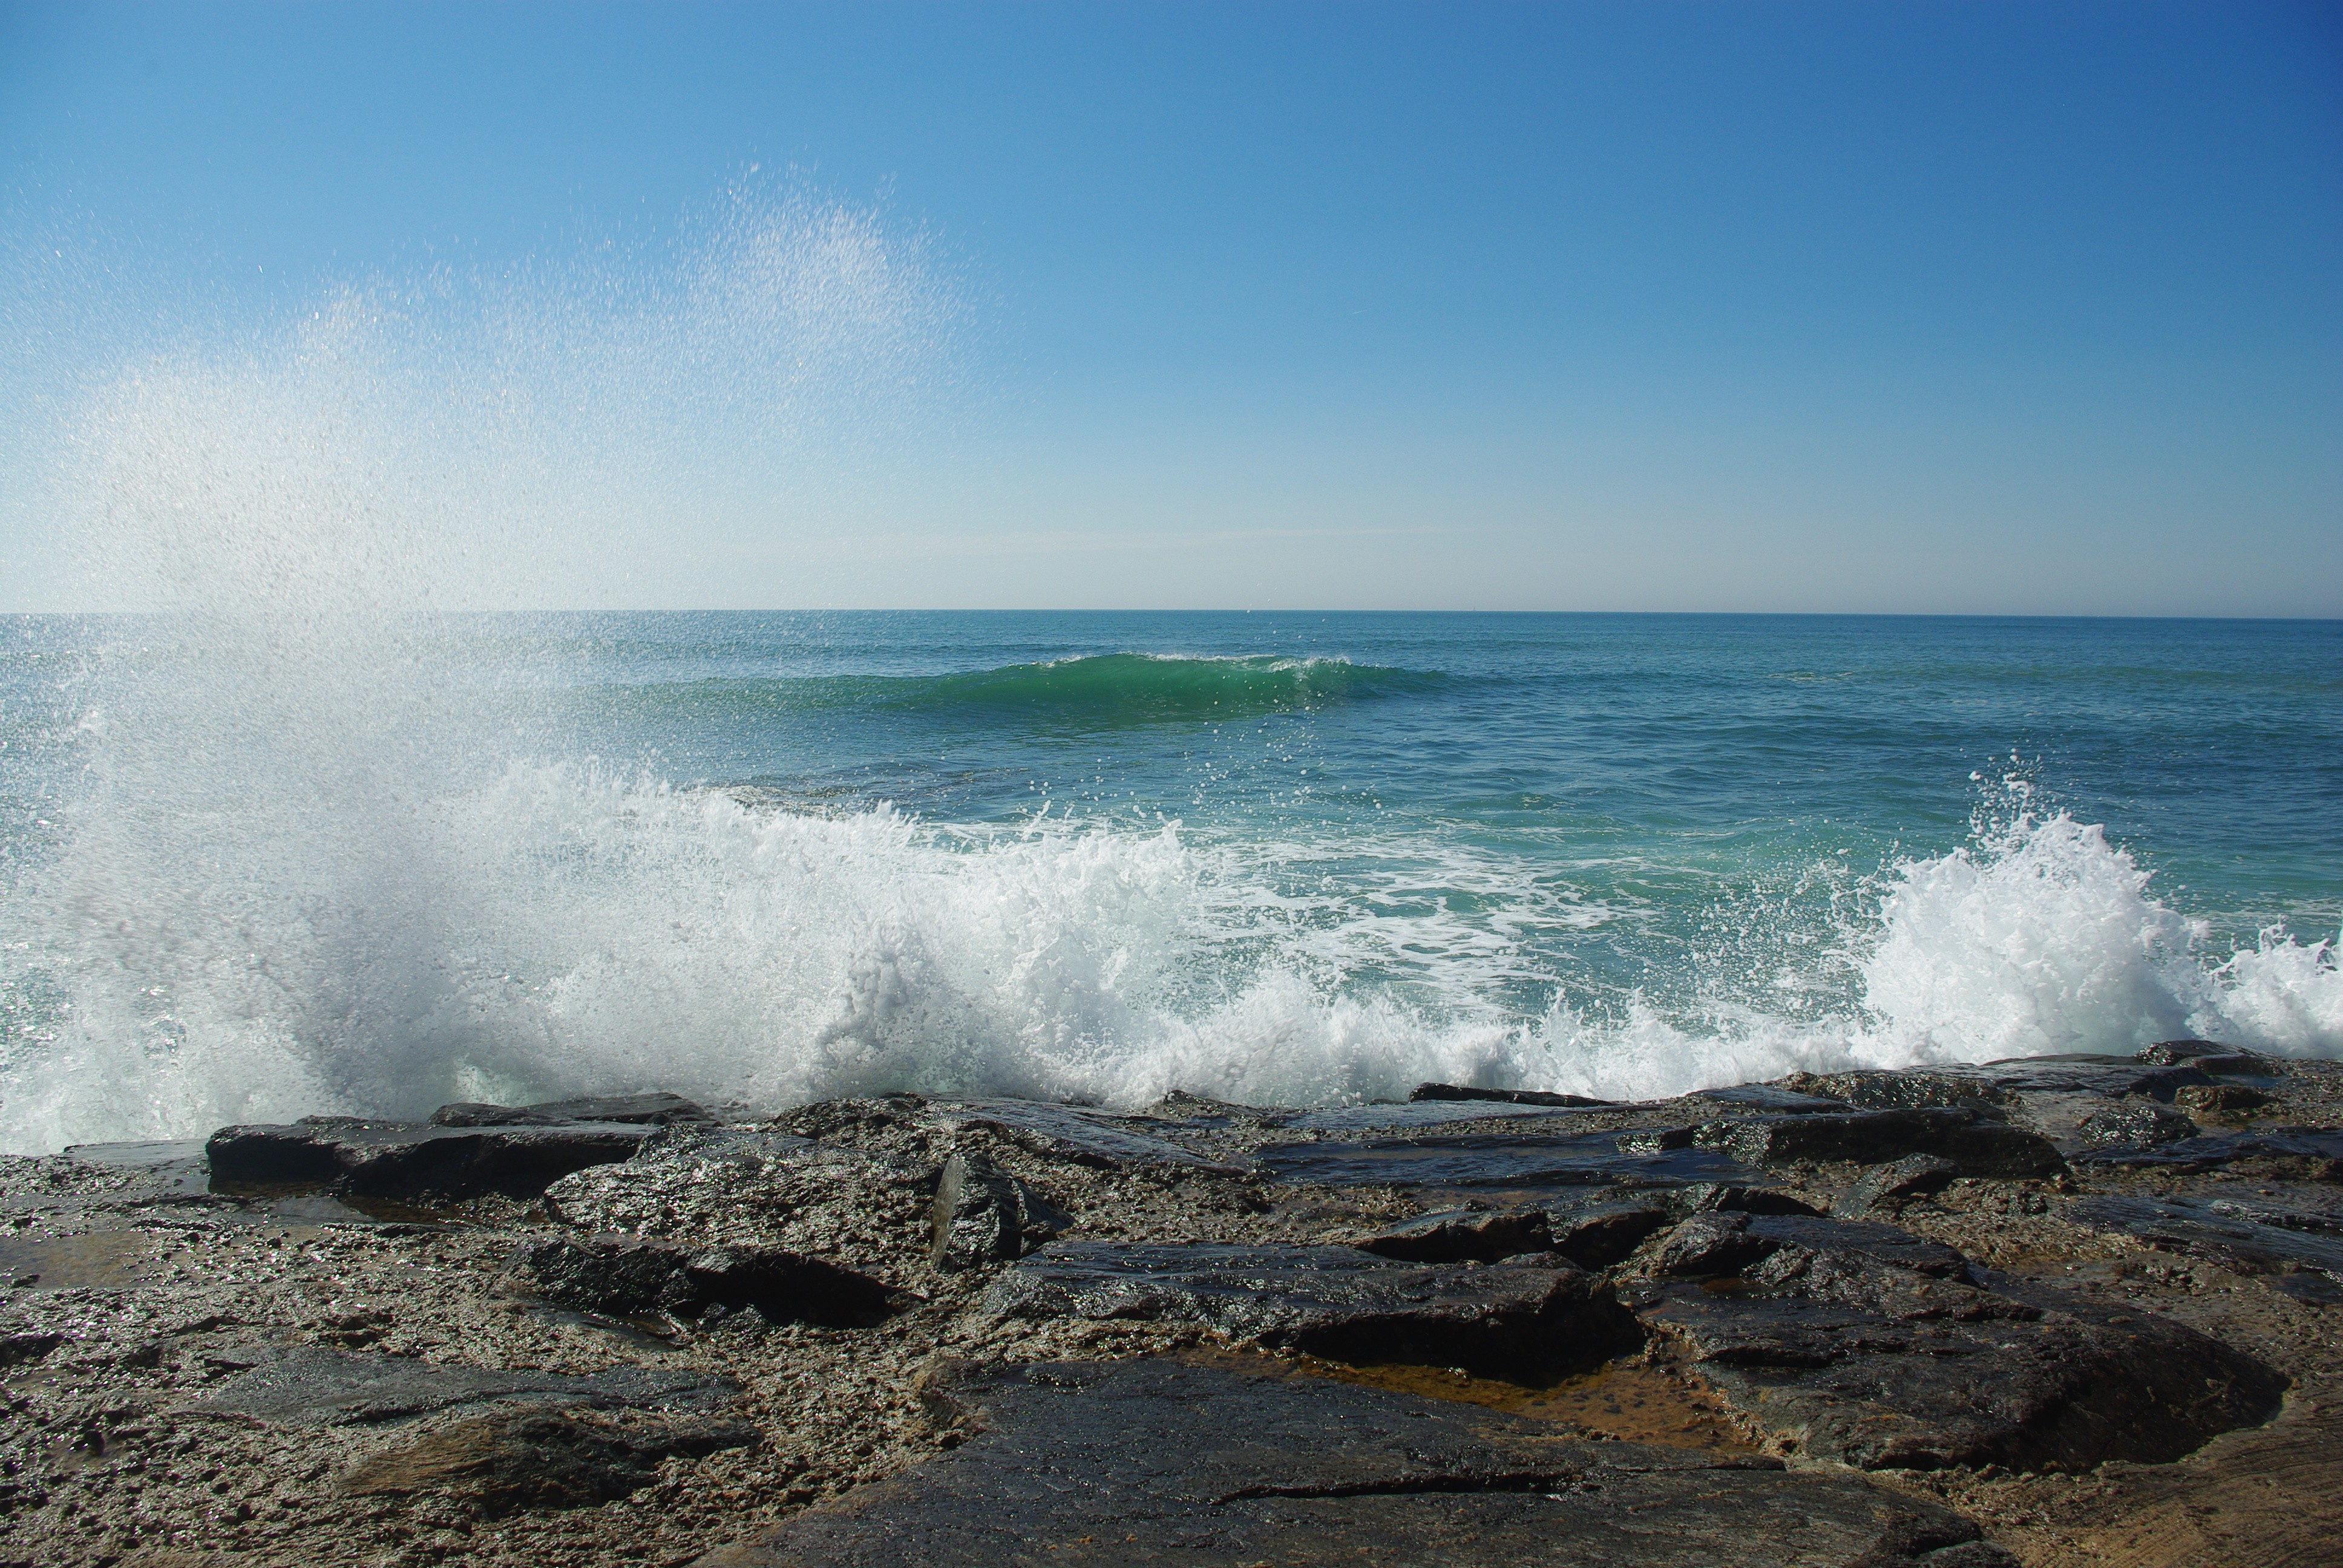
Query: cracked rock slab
[
  {"x": 313, "y": 1387},
  {"x": 1857, "y": 1344},
  {"x": 1501, "y": 1159},
  {"x": 658, "y": 1110},
  {"x": 414, "y": 1159},
  {"x": 2245, "y": 1238},
  {"x": 1159, "y": 1461},
  {"x": 1522, "y": 1321},
  {"x": 1980, "y": 1145},
  {"x": 518, "y": 1459},
  {"x": 625, "y": 1276},
  {"x": 1069, "y": 1132}
]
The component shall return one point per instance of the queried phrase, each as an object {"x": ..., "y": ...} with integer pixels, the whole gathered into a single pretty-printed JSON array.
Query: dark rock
[
  {"x": 1766, "y": 1098},
  {"x": 1400, "y": 1118},
  {"x": 2208, "y": 1056},
  {"x": 2307, "y": 1153},
  {"x": 1881, "y": 1089},
  {"x": 1886, "y": 1187},
  {"x": 1978, "y": 1145},
  {"x": 311, "y": 1387},
  {"x": 23, "y": 1349},
  {"x": 1597, "y": 1235},
  {"x": 983, "y": 1215},
  {"x": 658, "y": 1110},
  {"x": 2220, "y": 1098},
  {"x": 1458, "y": 1234},
  {"x": 1338, "y": 1302},
  {"x": 410, "y": 1159},
  {"x": 1707, "y": 1197},
  {"x": 542, "y": 1460},
  {"x": 1862, "y": 1344},
  {"x": 2115, "y": 1076},
  {"x": 626, "y": 1276},
  {"x": 1708, "y": 1245},
  {"x": 2245, "y": 1238},
  {"x": 1158, "y": 1462},
  {"x": 2132, "y": 1122},
  {"x": 1086, "y": 1138},
  {"x": 1501, "y": 1096},
  {"x": 1498, "y": 1160}
]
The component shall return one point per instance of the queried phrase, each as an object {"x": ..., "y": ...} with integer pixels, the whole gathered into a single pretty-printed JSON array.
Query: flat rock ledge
[
  {"x": 2056, "y": 1311},
  {"x": 1144, "y": 1462}
]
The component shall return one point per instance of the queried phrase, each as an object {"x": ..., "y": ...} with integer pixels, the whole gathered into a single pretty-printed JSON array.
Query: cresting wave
[
  {"x": 1113, "y": 690},
  {"x": 558, "y": 931}
]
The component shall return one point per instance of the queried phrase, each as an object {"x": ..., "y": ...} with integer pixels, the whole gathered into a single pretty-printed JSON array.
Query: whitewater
[{"x": 325, "y": 821}]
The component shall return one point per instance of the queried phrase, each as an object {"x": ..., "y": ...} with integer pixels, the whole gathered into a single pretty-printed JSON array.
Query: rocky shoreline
[{"x": 2056, "y": 1311}]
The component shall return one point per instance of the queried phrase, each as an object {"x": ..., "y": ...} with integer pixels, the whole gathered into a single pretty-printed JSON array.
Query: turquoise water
[{"x": 264, "y": 867}]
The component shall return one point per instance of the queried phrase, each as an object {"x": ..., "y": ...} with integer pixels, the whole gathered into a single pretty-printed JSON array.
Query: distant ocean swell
[
  {"x": 561, "y": 930},
  {"x": 1113, "y": 691}
]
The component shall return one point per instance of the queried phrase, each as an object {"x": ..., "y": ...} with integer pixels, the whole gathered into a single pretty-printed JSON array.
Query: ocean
[{"x": 262, "y": 866}]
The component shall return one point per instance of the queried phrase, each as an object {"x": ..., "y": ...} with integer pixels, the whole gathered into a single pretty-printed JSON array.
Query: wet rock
[
  {"x": 310, "y": 1387},
  {"x": 1338, "y": 1302},
  {"x": 983, "y": 1215},
  {"x": 2132, "y": 1122},
  {"x": 1978, "y": 1145},
  {"x": 628, "y": 1276},
  {"x": 658, "y": 1110},
  {"x": 1147, "y": 1462},
  {"x": 1706, "y": 1197},
  {"x": 1883, "y": 1090},
  {"x": 2208, "y": 1056},
  {"x": 1711, "y": 1245},
  {"x": 1885, "y": 1188},
  {"x": 412, "y": 1159},
  {"x": 1343, "y": 1120},
  {"x": 1499, "y": 1159},
  {"x": 2114, "y": 1077},
  {"x": 2220, "y": 1098},
  {"x": 2245, "y": 1238},
  {"x": 1862, "y": 1344},
  {"x": 1451, "y": 1092},
  {"x": 1708, "y": 1245},
  {"x": 1455, "y": 1235},
  {"x": 2299, "y": 1153},
  {"x": 1599, "y": 1234},
  {"x": 1766, "y": 1097},
  {"x": 507, "y": 1462},
  {"x": 1066, "y": 1133}
]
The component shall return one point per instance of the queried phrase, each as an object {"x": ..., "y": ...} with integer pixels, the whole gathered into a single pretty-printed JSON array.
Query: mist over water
[{"x": 319, "y": 832}]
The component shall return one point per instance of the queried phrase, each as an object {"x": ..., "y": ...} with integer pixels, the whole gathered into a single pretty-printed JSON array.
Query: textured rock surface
[
  {"x": 1157, "y": 1462},
  {"x": 565, "y": 1458},
  {"x": 330, "y": 1388},
  {"x": 1977, "y": 1145},
  {"x": 658, "y": 1110},
  {"x": 415, "y": 1160},
  {"x": 984, "y": 1215},
  {"x": 138, "y": 1296},
  {"x": 1524, "y": 1321},
  {"x": 1861, "y": 1344},
  {"x": 628, "y": 1275},
  {"x": 1500, "y": 1159}
]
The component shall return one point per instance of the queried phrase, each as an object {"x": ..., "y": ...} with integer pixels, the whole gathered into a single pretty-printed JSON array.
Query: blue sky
[{"x": 1960, "y": 308}]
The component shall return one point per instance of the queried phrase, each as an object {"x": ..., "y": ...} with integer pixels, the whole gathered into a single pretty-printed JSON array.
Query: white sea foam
[{"x": 558, "y": 931}]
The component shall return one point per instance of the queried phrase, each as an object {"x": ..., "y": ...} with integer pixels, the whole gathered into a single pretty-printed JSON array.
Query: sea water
[
  {"x": 332, "y": 827},
  {"x": 370, "y": 862}
]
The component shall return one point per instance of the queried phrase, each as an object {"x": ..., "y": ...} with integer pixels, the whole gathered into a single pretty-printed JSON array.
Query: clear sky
[{"x": 1902, "y": 307}]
